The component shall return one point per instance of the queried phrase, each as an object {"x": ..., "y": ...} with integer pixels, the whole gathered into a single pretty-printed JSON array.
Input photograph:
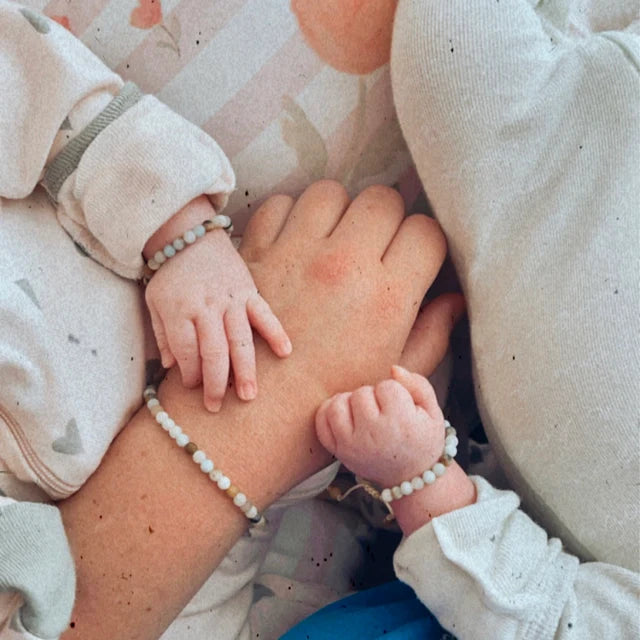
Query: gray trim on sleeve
[{"x": 65, "y": 163}]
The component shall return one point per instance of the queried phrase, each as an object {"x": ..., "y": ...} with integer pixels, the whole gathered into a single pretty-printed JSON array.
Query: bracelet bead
[
  {"x": 178, "y": 244},
  {"x": 169, "y": 251},
  {"x": 224, "y": 483},
  {"x": 439, "y": 469},
  {"x": 182, "y": 440},
  {"x": 233, "y": 491},
  {"x": 189, "y": 237},
  {"x": 206, "y": 466},
  {"x": 199, "y": 230},
  {"x": 406, "y": 488},
  {"x": 199, "y": 456},
  {"x": 429, "y": 477},
  {"x": 159, "y": 257},
  {"x": 386, "y": 495},
  {"x": 191, "y": 448}
]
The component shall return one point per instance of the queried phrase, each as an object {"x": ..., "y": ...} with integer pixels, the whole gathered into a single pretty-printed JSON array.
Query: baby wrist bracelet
[
  {"x": 407, "y": 487},
  {"x": 198, "y": 456},
  {"x": 187, "y": 238}
]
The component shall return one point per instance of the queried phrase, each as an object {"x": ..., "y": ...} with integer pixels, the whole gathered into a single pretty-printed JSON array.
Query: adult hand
[{"x": 346, "y": 279}]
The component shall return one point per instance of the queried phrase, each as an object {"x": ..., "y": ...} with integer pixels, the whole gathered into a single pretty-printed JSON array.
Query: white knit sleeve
[
  {"x": 136, "y": 172},
  {"x": 489, "y": 571}
]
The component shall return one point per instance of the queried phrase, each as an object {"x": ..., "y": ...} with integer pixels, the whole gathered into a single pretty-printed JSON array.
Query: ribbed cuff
[{"x": 66, "y": 162}]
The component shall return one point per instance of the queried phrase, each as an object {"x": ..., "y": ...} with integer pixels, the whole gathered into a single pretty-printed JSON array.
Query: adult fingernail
[{"x": 287, "y": 347}]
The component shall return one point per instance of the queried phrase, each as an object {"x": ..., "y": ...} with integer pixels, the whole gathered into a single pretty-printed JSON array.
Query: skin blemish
[{"x": 330, "y": 268}]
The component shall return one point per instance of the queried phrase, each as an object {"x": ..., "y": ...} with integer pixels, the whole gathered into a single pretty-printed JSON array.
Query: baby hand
[
  {"x": 203, "y": 304},
  {"x": 387, "y": 433}
]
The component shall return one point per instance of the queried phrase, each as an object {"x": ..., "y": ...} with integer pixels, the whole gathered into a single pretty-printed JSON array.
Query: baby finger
[
  {"x": 267, "y": 325},
  {"x": 183, "y": 342},
  {"x": 241, "y": 352},
  {"x": 214, "y": 352}
]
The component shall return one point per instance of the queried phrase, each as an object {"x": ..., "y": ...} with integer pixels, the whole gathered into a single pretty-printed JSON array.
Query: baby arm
[
  {"x": 203, "y": 304},
  {"x": 394, "y": 432}
]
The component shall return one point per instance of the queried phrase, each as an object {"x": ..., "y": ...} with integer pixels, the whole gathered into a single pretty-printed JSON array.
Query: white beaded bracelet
[
  {"x": 188, "y": 237},
  {"x": 206, "y": 465},
  {"x": 407, "y": 487}
]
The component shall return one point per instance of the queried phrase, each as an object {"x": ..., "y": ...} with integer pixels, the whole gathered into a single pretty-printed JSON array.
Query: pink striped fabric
[{"x": 273, "y": 142}]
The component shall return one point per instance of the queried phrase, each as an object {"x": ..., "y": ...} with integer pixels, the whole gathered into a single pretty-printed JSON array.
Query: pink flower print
[
  {"x": 147, "y": 15},
  {"x": 63, "y": 20},
  {"x": 351, "y": 35}
]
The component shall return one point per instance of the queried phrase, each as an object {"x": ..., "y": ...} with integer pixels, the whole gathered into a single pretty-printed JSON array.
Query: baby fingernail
[
  {"x": 401, "y": 370},
  {"x": 213, "y": 405},
  {"x": 287, "y": 347},
  {"x": 247, "y": 391}
]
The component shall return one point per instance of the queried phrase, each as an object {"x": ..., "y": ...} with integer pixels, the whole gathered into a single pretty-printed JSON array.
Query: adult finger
[
  {"x": 214, "y": 352},
  {"x": 421, "y": 391},
  {"x": 417, "y": 251},
  {"x": 183, "y": 342},
  {"x": 428, "y": 340},
  {"x": 241, "y": 352},
  {"x": 161, "y": 337},
  {"x": 265, "y": 224},
  {"x": 317, "y": 211},
  {"x": 268, "y": 326},
  {"x": 373, "y": 218}
]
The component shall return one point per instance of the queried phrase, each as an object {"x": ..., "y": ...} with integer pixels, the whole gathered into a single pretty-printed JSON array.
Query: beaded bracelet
[
  {"x": 200, "y": 458},
  {"x": 406, "y": 488},
  {"x": 429, "y": 476},
  {"x": 188, "y": 237}
]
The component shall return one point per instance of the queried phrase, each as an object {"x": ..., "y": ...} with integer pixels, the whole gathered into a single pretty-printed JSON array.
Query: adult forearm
[{"x": 149, "y": 527}]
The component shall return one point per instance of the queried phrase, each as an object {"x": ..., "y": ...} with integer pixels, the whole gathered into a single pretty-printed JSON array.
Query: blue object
[{"x": 388, "y": 612}]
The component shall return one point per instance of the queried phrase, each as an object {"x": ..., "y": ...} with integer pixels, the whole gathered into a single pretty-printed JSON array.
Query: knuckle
[
  {"x": 386, "y": 387},
  {"x": 212, "y": 354}
]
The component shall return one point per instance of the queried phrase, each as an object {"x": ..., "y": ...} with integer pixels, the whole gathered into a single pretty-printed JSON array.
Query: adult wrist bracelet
[{"x": 198, "y": 456}]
